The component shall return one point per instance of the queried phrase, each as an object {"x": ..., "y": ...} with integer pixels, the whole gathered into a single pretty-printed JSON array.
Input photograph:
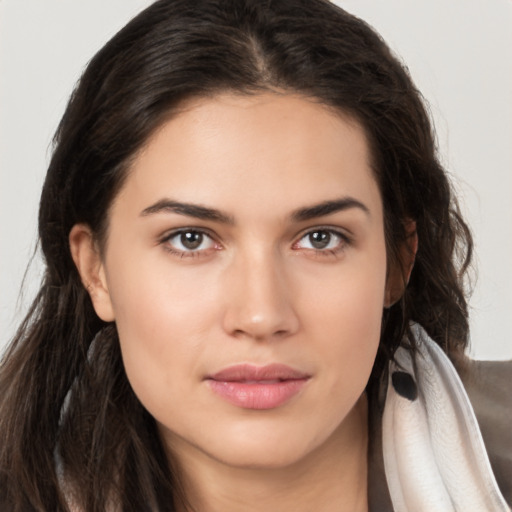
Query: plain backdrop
[{"x": 459, "y": 53}]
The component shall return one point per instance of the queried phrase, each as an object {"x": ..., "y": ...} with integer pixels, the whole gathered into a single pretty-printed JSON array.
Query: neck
[{"x": 332, "y": 478}]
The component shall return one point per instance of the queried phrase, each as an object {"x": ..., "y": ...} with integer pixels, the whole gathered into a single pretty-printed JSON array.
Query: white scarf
[{"x": 434, "y": 455}]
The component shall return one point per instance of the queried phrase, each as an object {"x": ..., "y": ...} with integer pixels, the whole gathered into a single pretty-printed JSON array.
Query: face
[{"x": 245, "y": 268}]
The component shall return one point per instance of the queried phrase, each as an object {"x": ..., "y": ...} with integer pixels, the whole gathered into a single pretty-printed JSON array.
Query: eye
[
  {"x": 324, "y": 240},
  {"x": 188, "y": 242}
]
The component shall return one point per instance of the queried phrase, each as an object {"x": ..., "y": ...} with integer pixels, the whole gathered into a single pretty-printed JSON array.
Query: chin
[
  {"x": 263, "y": 458},
  {"x": 274, "y": 449}
]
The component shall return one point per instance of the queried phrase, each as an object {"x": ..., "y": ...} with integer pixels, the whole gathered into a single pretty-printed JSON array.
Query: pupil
[
  {"x": 320, "y": 239},
  {"x": 191, "y": 239}
]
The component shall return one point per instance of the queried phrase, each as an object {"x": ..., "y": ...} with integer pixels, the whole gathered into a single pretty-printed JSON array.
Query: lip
[{"x": 258, "y": 387}]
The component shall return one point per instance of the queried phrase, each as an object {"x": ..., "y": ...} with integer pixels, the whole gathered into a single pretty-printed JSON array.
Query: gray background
[{"x": 459, "y": 53}]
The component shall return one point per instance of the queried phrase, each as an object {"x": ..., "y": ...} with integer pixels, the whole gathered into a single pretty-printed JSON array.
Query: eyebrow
[
  {"x": 190, "y": 210},
  {"x": 328, "y": 208},
  {"x": 204, "y": 213}
]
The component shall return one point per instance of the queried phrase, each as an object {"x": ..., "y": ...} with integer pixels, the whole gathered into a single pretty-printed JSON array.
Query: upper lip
[{"x": 249, "y": 372}]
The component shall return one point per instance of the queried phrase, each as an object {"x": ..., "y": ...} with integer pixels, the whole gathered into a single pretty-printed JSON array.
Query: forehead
[{"x": 270, "y": 150}]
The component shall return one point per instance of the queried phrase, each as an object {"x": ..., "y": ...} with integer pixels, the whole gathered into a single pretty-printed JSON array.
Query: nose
[{"x": 259, "y": 302}]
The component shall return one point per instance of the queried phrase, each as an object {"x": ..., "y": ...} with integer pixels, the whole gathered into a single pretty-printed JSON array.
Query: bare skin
[
  {"x": 330, "y": 479},
  {"x": 250, "y": 231}
]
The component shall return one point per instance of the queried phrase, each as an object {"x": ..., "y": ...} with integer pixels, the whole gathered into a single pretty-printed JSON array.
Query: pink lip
[{"x": 257, "y": 387}]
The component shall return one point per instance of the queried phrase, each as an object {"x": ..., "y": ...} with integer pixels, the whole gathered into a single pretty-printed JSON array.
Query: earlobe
[
  {"x": 400, "y": 271},
  {"x": 89, "y": 264}
]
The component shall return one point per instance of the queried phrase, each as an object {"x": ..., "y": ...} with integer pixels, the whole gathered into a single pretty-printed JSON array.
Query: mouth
[{"x": 258, "y": 387}]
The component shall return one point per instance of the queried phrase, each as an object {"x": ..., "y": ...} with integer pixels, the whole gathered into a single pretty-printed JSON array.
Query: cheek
[
  {"x": 154, "y": 302},
  {"x": 162, "y": 319},
  {"x": 346, "y": 316},
  {"x": 350, "y": 299}
]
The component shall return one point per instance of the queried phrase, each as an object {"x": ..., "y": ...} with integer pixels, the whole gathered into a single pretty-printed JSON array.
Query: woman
[{"x": 244, "y": 225}]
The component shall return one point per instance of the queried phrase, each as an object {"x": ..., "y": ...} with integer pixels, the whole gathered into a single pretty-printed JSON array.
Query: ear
[
  {"x": 400, "y": 271},
  {"x": 87, "y": 258}
]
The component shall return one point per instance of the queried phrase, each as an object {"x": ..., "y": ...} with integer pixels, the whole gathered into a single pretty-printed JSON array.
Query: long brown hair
[{"x": 71, "y": 427}]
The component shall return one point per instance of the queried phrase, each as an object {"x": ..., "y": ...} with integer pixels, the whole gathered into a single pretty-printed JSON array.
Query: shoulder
[{"x": 488, "y": 384}]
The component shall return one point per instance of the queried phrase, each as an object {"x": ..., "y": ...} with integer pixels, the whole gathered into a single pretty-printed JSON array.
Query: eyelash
[
  {"x": 344, "y": 242},
  {"x": 165, "y": 241}
]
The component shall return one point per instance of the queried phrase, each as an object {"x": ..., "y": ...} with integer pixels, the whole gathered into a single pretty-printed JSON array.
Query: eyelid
[
  {"x": 167, "y": 236},
  {"x": 346, "y": 239},
  {"x": 337, "y": 230}
]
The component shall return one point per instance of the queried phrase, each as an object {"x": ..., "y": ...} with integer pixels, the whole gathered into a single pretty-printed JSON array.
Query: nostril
[{"x": 260, "y": 336}]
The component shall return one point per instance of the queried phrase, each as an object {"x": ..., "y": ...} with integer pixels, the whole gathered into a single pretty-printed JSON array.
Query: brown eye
[
  {"x": 319, "y": 239},
  {"x": 323, "y": 240},
  {"x": 189, "y": 241}
]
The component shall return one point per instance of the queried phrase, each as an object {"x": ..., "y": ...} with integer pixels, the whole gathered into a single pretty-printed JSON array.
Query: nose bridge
[{"x": 260, "y": 303}]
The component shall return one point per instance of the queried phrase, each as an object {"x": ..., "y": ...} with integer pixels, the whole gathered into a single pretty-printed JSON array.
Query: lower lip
[{"x": 258, "y": 395}]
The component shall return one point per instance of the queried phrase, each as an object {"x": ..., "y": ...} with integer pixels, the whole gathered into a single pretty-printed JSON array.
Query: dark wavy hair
[{"x": 71, "y": 427}]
